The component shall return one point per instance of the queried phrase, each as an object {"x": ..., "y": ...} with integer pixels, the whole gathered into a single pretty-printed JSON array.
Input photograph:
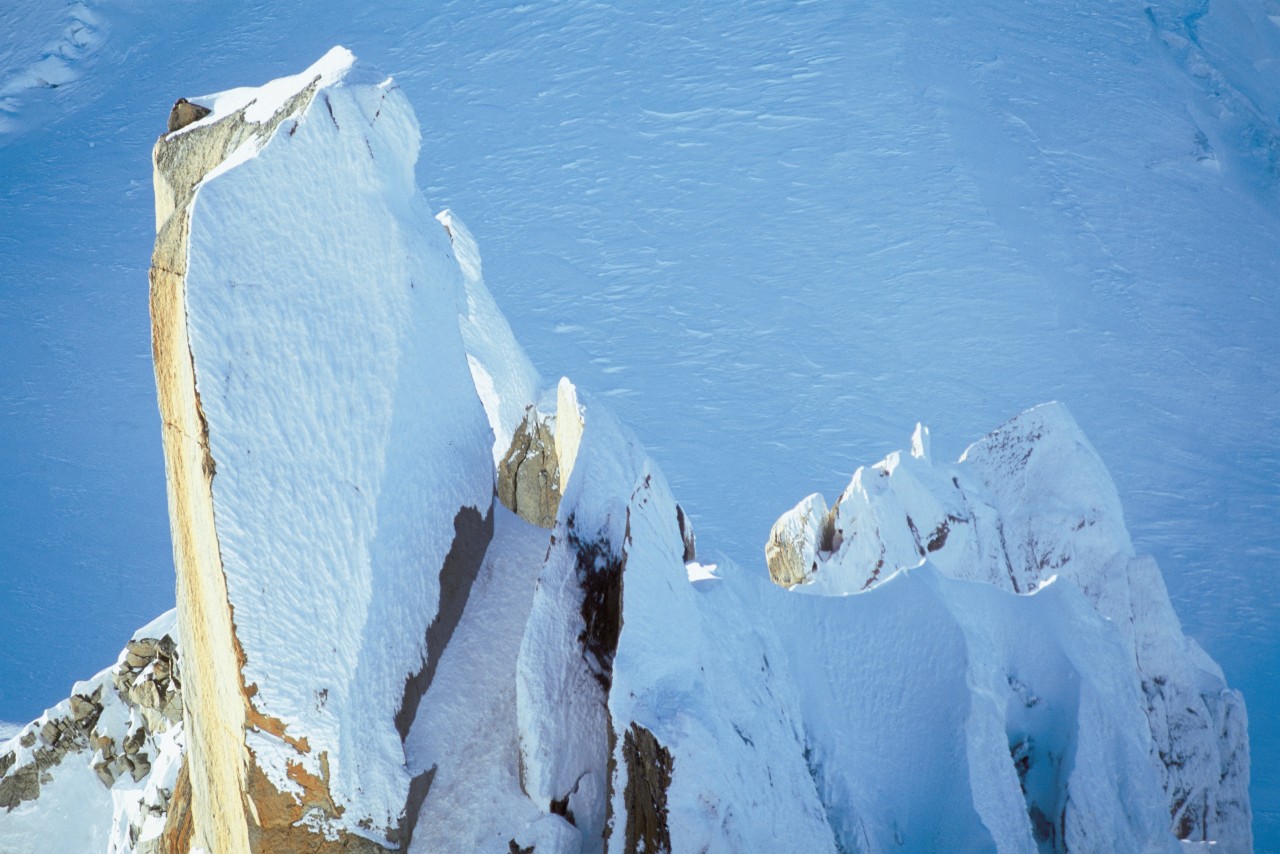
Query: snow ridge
[
  {"x": 962, "y": 656},
  {"x": 1029, "y": 504}
]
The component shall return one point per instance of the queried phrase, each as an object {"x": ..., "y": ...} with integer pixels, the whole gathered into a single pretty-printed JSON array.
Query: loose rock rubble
[{"x": 119, "y": 722}]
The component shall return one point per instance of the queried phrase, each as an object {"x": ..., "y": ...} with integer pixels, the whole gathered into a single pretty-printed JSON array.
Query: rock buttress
[
  {"x": 214, "y": 698},
  {"x": 323, "y": 438}
]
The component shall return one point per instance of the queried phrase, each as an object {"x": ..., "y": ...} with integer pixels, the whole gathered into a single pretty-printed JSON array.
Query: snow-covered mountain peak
[
  {"x": 308, "y": 356},
  {"x": 259, "y": 103},
  {"x": 427, "y": 602},
  {"x": 1022, "y": 503}
]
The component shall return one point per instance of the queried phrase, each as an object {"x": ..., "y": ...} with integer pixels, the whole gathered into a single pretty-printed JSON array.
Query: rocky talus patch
[{"x": 112, "y": 721}]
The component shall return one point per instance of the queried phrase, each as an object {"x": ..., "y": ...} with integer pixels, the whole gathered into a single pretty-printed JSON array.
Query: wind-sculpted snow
[
  {"x": 954, "y": 657},
  {"x": 771, "y": 238},
  {"x": 46, "y": 52},
  {"x": 348, "y": 454},
  {"x": 1028, "y": 504}
]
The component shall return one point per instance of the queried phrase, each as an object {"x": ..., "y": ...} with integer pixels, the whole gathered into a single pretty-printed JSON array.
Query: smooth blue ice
[{"x": 773, "y": 236}]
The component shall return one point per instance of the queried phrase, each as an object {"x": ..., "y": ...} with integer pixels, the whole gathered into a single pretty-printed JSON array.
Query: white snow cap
[{"x": 260, "y": 103}]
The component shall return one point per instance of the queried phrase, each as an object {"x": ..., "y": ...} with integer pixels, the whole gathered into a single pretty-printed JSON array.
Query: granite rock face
[
  {"x": 796, "y": 542},
  {"x": 529, "y": 473}
]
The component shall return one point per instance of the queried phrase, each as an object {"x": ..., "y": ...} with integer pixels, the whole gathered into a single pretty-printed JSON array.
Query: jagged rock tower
[{"x": 309, "y": 367}]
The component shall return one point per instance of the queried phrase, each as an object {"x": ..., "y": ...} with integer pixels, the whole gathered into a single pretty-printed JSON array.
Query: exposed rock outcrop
[
  {"x": 534, "y": 472},
  {"x": 648, "y": 768},
  {"x": 184, "y": 113},
  {"x": 796, "y": 542},
  {"x": 124, "y": 724},
  {"x": 529, "y": 473}
]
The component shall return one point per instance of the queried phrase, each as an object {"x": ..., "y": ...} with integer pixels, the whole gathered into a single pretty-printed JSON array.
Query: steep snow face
[
  {"x": 347, "y": 452},
  {"x": 1019, "y": 727},
  {"x": 1027, "y": 504},
  {"x": 670, "y": 706}
]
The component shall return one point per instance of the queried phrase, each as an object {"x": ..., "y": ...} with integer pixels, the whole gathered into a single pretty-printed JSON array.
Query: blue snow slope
[{"x": 772, "y": 235}]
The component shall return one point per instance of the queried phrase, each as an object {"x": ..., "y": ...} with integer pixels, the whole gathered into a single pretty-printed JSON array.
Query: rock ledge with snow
[{"x": 426, "y": 603}]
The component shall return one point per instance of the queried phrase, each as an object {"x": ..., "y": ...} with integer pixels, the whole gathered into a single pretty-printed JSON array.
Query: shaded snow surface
[{"x": 772, "y": 238}]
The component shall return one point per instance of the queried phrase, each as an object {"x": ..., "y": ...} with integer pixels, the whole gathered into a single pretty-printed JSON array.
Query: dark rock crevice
[
  {"x": 599, "y": 574},
  {"x": 649, "y": 767},
  {"x": 472, "y": 534}
]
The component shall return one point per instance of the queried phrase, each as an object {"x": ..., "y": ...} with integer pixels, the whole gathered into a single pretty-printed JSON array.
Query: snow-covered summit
[
  {"x": 328, "y": 455},
  {"x": 378, "y": 655},
  {"x": 1029, "y": 504}
]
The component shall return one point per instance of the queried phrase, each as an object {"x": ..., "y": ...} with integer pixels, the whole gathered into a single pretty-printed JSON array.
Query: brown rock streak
[
  {"x": 649, "y": 768},
  {"x": 214, "y": 700}
]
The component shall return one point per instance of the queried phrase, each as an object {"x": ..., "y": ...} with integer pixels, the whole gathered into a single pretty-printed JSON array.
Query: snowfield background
[{"x": 775, "y": 235}]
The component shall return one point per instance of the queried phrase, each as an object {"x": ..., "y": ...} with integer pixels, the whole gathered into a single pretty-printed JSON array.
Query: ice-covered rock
[
  {"x": 949, "y": 657},
  {"x": 328, "y": 456}
]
